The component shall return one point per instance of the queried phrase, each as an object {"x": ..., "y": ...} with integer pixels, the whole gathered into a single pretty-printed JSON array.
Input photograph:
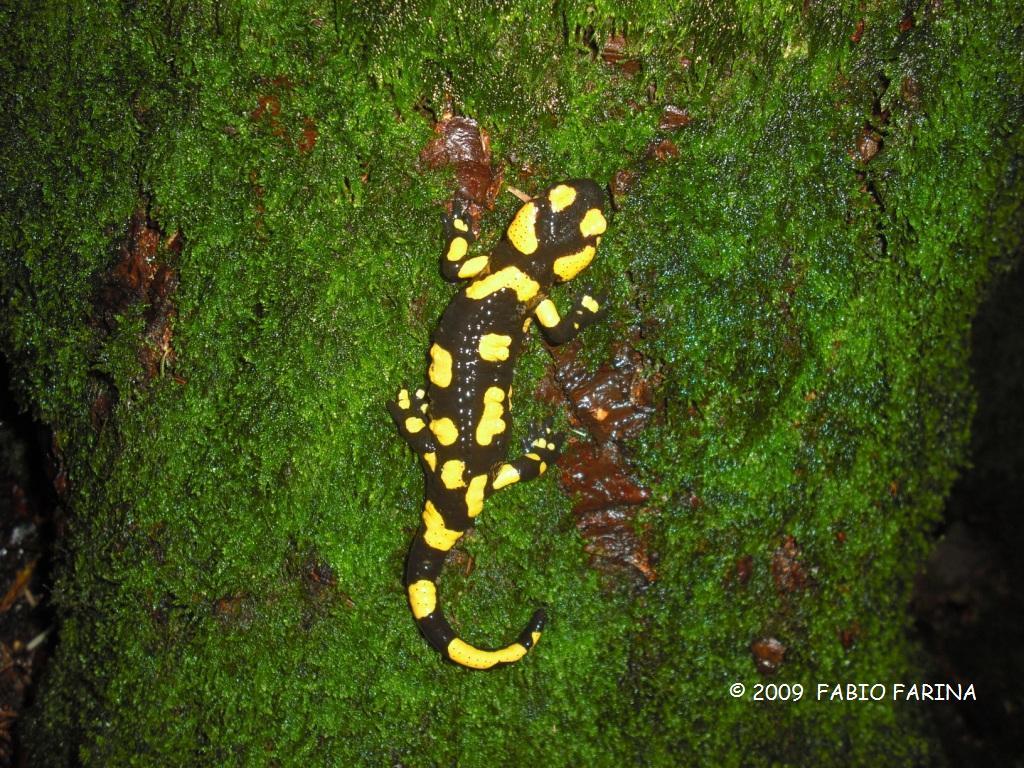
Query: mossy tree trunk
[{"x": 220, "y": 259}]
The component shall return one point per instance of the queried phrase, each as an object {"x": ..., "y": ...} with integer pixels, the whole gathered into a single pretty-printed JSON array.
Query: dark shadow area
[
  {"x": 968, "y": 602},
  {"x": 28, "y": 516}
]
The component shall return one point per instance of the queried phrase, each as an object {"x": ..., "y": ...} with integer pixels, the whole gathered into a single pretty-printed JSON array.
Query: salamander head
[{"x": 562, "y": 225}]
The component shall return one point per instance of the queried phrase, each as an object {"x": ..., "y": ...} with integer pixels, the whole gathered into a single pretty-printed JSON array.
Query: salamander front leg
[
  {"x": 542, "y": 451},
  {"x": 410, "y": 413},
  {"x": 558, "y": 329},
  {"x": 456, "y": 264}
]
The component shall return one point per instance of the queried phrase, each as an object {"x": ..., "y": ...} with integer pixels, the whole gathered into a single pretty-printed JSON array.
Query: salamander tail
[{"x": 421, "y": 572}]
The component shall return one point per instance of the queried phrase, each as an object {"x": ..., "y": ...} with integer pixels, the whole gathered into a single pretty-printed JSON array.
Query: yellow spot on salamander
[
  {"x": 491, "y": 422},
  {"x": 494, "y": 346},
  {"x": 567, "y": 267},
  {"x": 473, "y": 267},
  {"x": 561, "y": 197},
  {"x": 506, "y": 476},
  {"x": 457, "y": 249},
  {"x": 535, "y": 636},
  {"x": 475, "y": 495},
  {"x": 465, "y": 654},
  {"x": 460, "y": 225},
  {"x": 452, "y": 472},
  {"x": 526, "y": 324},
  {"x": 431, "y": 459},
  {"x": 403, "y": 399},
  {"x": 437, "y": 535},
  {"x": 547, "y": 313},
  {"x": 414, "y": 424},
  {"x": 591, "y": 304},
  {"x": 522, "y": 232},
  {"x": 444, "y": 430},
  {"x": 593, "y": 223},
  {"x": 509, "y": 277},
  {"x": 440, "y": 372},
  {"x": 422, "y": 598},
  {"x": 533, "y": 456}
]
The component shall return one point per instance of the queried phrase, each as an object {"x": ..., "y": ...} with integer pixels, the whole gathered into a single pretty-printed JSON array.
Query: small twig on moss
[{"x": 519, "y": 193}]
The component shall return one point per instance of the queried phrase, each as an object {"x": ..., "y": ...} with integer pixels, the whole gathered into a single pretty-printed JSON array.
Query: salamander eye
[
  {"x": 561, "y": 197},
  {"x": 566, "y": 218}
]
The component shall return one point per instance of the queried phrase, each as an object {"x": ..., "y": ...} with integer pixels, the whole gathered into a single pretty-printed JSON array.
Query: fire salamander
[{"x": 459, "y": 425}]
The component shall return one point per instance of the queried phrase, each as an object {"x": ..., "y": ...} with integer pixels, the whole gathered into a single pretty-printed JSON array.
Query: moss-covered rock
[{"x": 803, "y": 260}]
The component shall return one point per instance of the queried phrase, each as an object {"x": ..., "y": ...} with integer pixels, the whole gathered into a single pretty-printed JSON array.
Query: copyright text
[{"x": 934, "y": 691}]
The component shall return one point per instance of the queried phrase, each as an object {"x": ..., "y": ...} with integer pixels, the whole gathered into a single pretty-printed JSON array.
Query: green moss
[{"x": 806, "y": 311}]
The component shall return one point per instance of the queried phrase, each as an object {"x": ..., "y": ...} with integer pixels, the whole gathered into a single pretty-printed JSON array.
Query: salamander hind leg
[
  {"x": 542, "y": 450},
  {"x": 409, "y": 410},
  {"x": 456, "y": 263}
]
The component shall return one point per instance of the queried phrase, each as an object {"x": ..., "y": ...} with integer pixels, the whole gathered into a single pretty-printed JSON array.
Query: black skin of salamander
[{"x": 459, "y": 330}]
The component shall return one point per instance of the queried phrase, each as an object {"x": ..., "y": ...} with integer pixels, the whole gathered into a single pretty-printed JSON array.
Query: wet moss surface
[{"x": 799, "y": 263}]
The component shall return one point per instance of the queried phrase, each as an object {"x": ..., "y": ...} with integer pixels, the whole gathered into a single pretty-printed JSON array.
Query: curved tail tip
[
  {"x": 537, "y": 621},
  {"x": 461, "y": 652},
  {"x": 531, "y": 634}
]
